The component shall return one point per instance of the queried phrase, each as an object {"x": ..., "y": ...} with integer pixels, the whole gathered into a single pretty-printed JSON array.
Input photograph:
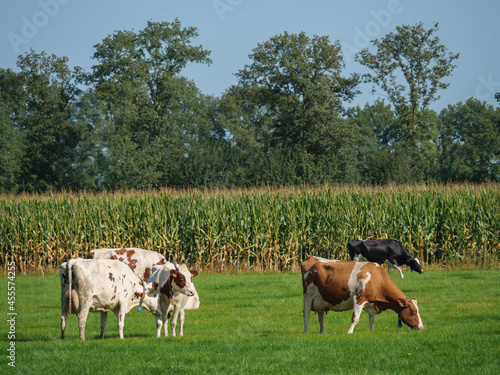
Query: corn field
[{"x": 255, "y": 228}]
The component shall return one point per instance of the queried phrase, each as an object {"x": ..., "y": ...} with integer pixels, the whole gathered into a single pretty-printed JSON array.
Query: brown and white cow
[
  {"x": 109, "y": 285},
  {"x": 341, "y": 286},
  {"x": 178, "y": 306},
  {"x": 142, "y": 262},
  {"x": 176, "y": 303}
]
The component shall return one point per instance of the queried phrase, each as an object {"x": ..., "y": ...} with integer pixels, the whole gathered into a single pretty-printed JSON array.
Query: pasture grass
[{"x": 251, "y": 323}]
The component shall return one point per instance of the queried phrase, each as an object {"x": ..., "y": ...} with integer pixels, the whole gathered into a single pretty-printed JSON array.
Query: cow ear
[
  {"x": 402, "y": 303},
  {"x": 194, "y": 273},
  {"x": 174, "y": 273}
]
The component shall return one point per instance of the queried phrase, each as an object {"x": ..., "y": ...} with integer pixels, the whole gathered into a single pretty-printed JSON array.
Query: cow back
[
  {"x": 338, "y": 281},
  {"x": 140, "y": 261}
]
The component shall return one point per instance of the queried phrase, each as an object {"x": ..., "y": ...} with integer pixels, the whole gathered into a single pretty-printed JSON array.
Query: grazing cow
[
  {"x": 108, "y": 285},
  {"x": 341, "y": 286},
  {"x": 142, "y": 262},
  {"x": 384, "y": 251}
]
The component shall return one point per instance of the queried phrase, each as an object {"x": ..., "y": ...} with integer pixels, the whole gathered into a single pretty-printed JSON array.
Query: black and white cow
[{"x": 384, "y": 251}]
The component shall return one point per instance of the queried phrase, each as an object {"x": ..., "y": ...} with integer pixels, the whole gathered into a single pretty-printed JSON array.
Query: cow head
[
  {"x": 414, "y": 264},
  {"x": 409, "y": 313},
  {"x": 181, "y": 280}
]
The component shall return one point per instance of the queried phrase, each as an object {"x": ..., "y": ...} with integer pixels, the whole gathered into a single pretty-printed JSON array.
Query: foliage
[
  {"x": 135, "y": 122},
  {"x": 470, "y": 142},
  {"x": 382, "y": 155},
  {"x": 11, "y": 144},
  {"x": 410, "y": 66},
  {"x": 254, "y": 229},
  {"x": 252, "y": 323},
  {"x": 150, "y": 111},
  {"x": 41, "y": 101},
  {"x": 288, "y": 100},
  {"x": 423, "y": 62}
]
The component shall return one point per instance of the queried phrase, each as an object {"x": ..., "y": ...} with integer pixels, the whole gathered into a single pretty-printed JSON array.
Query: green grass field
[{"x": 251, "y": 323}]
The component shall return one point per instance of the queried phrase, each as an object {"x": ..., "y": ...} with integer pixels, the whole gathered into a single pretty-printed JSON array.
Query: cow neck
[
  {"x": 170, "y": 291},
  {"x": 401, "y": 308},
  {"x": 143, "y": 295}
]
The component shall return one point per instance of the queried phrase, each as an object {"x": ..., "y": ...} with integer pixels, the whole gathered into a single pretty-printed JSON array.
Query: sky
[{"x": 231, "y": 29}]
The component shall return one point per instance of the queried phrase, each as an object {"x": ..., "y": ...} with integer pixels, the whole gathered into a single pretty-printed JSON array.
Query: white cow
[
  {"x": 142, "y": 262},
  {"x": 109, "y": 285}
]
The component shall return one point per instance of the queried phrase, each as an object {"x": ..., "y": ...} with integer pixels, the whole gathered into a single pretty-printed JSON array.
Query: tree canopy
[{"x": 135, "y": 121}]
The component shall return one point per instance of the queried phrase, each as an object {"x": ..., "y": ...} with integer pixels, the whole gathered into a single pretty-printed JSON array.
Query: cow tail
[
  {"x": 73, "y": 298},
  {"x": 70, "y": 264}
]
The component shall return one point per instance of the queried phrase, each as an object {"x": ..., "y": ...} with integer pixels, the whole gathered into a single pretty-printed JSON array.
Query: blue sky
[{"x": 232, "y": 28}]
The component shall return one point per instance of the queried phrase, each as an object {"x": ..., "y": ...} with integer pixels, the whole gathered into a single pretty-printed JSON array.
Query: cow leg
[
  {"x": 165, "y": 325},
  {"x": 182, "y": 318},
  {"x": 356, "y": 312},
  {"x": 173, "y": 319},
  {"x": 372, "y": 321},
  {"x": 64, "y": 315},
  {"x": 104, "y": 322},
  {"x": 321, "y": 319},
  {"x": 307, "y": 310},
  {"x": 400, "y": 272},
  {"x": 396, "y": 267},
  {"x": 159, "y": 324},
  {"x": 120, "y": 315},
  {"x": 82, "y": 322},
  {"x": 63, "y": 323}
]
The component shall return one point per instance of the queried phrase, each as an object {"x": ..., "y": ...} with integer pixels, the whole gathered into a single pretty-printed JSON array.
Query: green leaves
[
  {"x": 141, "y": 124},
  {"x": 410, "y": 65},
  {"x": 288, "y": 100},
  {"x": 470, "y": 141},
  {"x": 152, "y": 109}
]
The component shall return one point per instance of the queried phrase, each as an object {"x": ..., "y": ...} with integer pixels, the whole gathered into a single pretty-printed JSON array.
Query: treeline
[{"x": 134, "y": 121}]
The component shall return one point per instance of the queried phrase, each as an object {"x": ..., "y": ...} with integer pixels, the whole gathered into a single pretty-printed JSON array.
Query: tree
[
  {"x": 373, "y": 159},
  {"x": 470, "y": 142},
  {"x": 41, "y": 105},
  {"x": 11, "y": 139},
  {"x": 11, "y": 153},
  {"x": 290, "y": 98},
  {"x": 149, "y": 110},
  {"x": 410, "y": 65}
]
